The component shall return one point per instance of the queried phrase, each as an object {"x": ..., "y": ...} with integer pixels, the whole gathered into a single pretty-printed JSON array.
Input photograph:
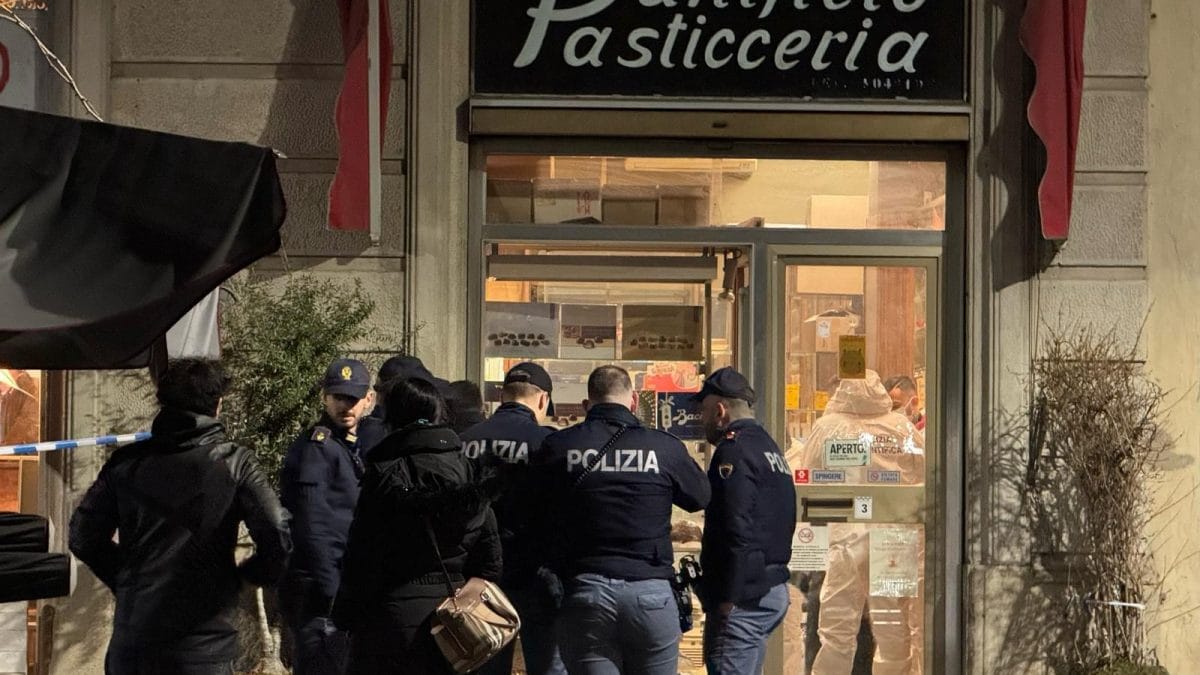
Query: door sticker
[
  {"x": 884, "y": 477},
  {"x": 827, "y": 476},
  {"x": 895, "y": 562},
  {"x": 852, "y": 357},
  {"x": 864, "y": 508},
  {"x": 810, "y": 548},
  {"x": 846, "y": 452}
]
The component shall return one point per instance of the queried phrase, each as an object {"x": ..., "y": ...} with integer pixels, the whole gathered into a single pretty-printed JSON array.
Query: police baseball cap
[
  {"x": 347, "y": 377},
  {"x": 726, "y": 383},
  {"x": 532, "y": 373}
]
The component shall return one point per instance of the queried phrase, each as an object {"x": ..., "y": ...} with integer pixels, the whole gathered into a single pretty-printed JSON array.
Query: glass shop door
[{"x": 859, "y": 364}]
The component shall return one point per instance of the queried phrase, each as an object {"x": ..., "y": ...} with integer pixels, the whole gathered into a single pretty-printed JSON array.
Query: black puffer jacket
[
  {"x": 390, "y": 573},
  {"x": 175, "y": 501}
]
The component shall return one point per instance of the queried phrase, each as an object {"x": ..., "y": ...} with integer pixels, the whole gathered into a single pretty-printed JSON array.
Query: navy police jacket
[
  {"x": 319, "y": 485},
  {"x": 500, "y": 448},
  {"x": 749, "y": 524},
  {"x": 617, "y": 521}
]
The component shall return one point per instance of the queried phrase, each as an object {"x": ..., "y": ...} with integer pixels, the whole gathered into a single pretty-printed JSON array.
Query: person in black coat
[
  {"x": 175, "y": 502},
  {"x": 418, "y": 488},
  {"x": 464, "y": 405}
]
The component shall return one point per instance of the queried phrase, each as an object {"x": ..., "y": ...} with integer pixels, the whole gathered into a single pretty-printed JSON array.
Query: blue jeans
[
  {"x": 613, "y": 626},
  {"x": 736, "y": 644},
  {"x": 539, "y": 644}
]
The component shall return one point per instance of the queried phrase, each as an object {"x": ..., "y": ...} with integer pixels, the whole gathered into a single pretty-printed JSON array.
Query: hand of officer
[
  {"x": 326, "y": 626},
  {"x": 725, "y": 608}
]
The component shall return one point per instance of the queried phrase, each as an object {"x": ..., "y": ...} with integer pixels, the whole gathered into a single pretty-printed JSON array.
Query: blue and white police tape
[{"x": 50, "y": 446}]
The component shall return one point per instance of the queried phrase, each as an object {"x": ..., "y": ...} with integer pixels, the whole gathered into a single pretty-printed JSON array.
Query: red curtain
[
  {"x": 1052, "y": 35},
  {"x": 349, "y": 195}
]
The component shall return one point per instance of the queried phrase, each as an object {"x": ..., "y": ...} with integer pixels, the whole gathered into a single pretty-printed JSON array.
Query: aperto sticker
[
  {"x": 846, "y": 452},
  {"x": 886, "y": 477},
  {"x": 827, "y": 476}
]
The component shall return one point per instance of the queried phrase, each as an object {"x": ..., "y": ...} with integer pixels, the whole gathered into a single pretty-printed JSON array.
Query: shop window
[
  {"x": 726, "y": 192},
  {"x": 20, "y": 422}
]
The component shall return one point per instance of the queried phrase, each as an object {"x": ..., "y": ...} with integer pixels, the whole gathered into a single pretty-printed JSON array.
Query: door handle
[{"x": 819, "y": 510}]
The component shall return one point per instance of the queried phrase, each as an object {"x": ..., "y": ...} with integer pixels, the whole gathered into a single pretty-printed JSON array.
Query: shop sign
[
  {"x": 679, "y": 416},
  {"x": 792, "y": 49}
]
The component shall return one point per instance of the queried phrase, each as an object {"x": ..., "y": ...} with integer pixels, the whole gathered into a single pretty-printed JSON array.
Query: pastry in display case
[
  {"x": 662, "y": 333},
  {"x": 588, "y": 332},
  {"x": 521, "y": 329}
]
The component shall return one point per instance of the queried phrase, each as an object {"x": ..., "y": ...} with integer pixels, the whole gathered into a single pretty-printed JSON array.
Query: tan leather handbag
[{"x": 474, "y": 623}]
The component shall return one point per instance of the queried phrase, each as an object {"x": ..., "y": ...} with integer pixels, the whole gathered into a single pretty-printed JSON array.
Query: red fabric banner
[
  {"x": 349, "y": 195},
  {"x": 1052, "y": 35}
]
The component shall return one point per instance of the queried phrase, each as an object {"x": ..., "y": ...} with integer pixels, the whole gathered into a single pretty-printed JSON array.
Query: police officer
[
  {"x": 608, "y": 486},
  {"x": 747, "y": 529},
  {"x": 319, "y": 486},
  {"x": 500, "y": 448},
  {"x": 407, "y": 367}
]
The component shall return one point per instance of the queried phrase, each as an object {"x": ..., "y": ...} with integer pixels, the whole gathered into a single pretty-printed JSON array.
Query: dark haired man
[
  {"x": 747, "y": 529},
  {"x": 319, "y": 486},
  {"x": 406, "y": 367},
  {"x": 500, "y": 448},
  {"x": 175, "y": 502},
  {"x": 608, "y": 485},
  {"x": 906, "y": 399}
]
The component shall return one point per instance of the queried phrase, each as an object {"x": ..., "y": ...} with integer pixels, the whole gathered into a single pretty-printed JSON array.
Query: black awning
[{"x": 108, "y": 235}]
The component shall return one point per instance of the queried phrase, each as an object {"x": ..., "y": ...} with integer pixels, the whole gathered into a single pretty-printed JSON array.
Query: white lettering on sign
[
  {"x": 846, "y": 453},
  {"x": 614, "y": 461},
  {"x": 679, "y": 42},
  {"x": 777, "y": 463}
]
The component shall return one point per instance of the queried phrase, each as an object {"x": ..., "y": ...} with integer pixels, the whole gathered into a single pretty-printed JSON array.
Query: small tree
[
  {"x": 1099, "y": 428},
  {"x": 276, "y": 344}
]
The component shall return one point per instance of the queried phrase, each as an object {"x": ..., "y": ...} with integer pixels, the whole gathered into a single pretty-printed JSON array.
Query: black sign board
[{"x": 794, "y": 49}]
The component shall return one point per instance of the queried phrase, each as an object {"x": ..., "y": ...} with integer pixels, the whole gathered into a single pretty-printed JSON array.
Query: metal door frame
[
  {"x": 774, "y": 415},
  {"x": 769, "y": 250}
]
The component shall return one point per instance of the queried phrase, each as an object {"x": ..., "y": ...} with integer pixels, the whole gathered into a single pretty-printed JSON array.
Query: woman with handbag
[{"x": 422, "y": 529}]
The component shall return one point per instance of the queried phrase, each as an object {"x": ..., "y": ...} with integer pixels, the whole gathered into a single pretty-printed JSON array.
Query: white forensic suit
[{"x": 860, "y": 435}]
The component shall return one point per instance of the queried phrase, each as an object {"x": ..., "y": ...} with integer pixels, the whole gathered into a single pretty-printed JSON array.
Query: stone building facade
[{"x": 268, "y": 73}]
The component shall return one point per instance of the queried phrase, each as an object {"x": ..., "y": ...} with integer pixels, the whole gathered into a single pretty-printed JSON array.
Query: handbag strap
[
  {"x": 599, "y": 456},
  {"x": 408, "y": 463},
  {"x": 436, "y": 551}
]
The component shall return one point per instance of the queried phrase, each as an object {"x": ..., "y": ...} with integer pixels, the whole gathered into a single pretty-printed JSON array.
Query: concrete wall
[
  {"x": 1173, "y": 329},
  {"x": 1130, "y": 265},
  {"x": 1023, "y": 287}
]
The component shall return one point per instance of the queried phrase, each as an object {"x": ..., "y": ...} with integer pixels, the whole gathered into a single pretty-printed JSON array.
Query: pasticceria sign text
[{"x": 795, "y": 49}]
